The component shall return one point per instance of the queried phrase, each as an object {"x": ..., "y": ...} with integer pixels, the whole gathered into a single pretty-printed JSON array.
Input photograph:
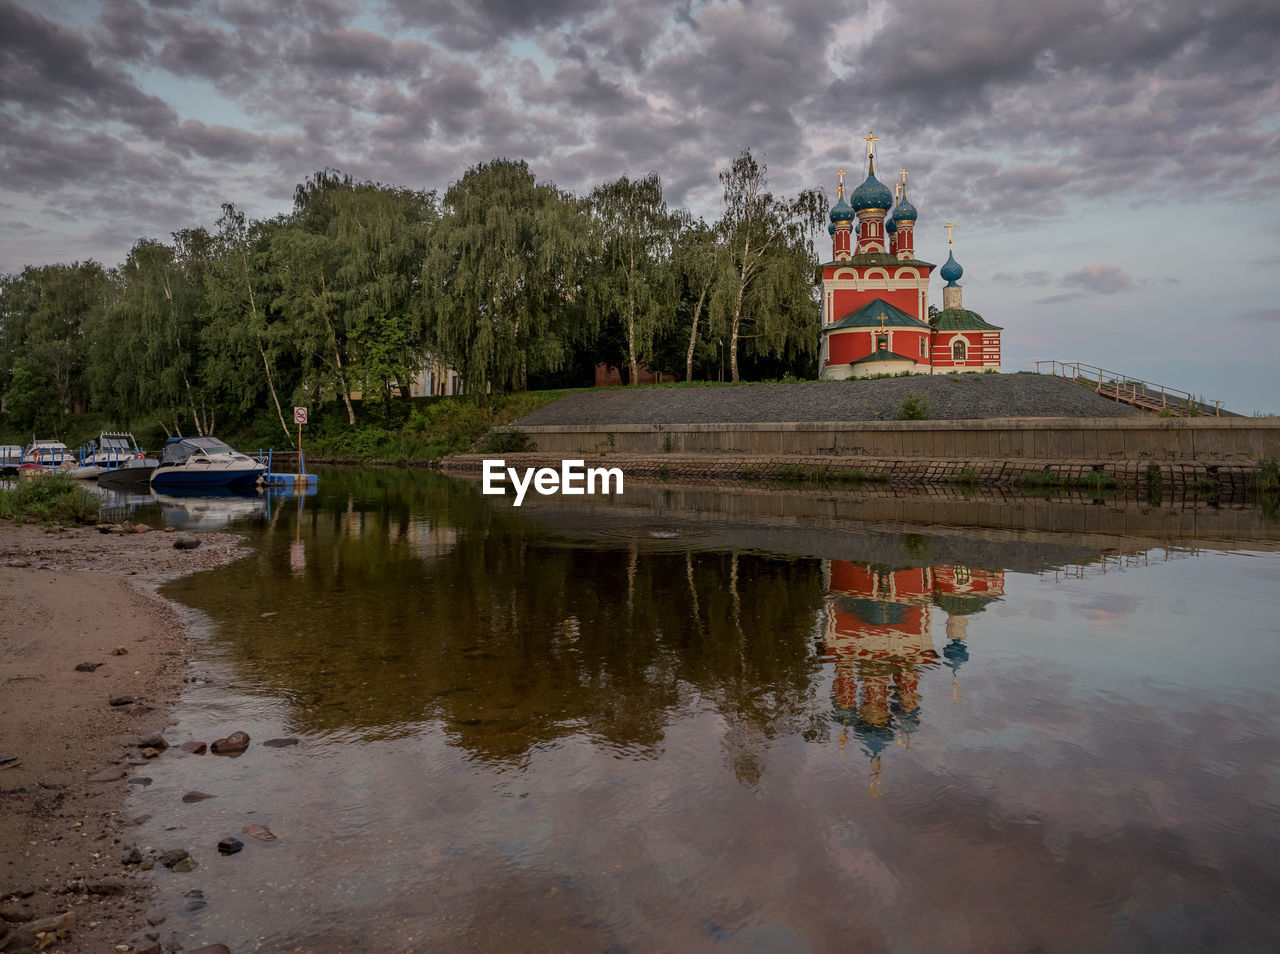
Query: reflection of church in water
[{"x": 878, "y": 636}]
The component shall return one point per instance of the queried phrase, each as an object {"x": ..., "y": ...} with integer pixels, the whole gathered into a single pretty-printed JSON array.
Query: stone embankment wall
[
  {"x": 1092, "y": 440},
  {"x": 1225, "y": 476}
]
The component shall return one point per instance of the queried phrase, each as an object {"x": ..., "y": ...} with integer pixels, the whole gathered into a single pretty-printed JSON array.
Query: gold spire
[
  {"x": 903, "y": 172},
  {"x": 840, "y": 194},
  {"x": 949, "y": 228},
  {"x": 871, "y": 140}
]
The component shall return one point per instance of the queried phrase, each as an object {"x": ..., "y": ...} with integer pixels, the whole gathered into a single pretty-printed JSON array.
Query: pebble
[
  {"x": 111, "y": 773},
  {"x": 229, "y": 846},
  {"x": 119, "y": 651},
  {"x": 259, "y": 832},
  {"x": 194, "y": 748},
  {"x": 193, "y": 797},
  {"x": 233, "y": 744},
  {"x": 154, "y": 741},
  {"x": 186, "y": 864},
  {"x": 171, "y": 858},
  {"x": 88, "y": 666},
  {"x": 150, "y": 753},
  {"x": 186, "y": 542},
  {"x": 120, "y": 700}
]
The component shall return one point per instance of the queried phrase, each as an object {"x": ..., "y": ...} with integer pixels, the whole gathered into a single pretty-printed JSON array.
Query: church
[{"x": 875, "y": 293}]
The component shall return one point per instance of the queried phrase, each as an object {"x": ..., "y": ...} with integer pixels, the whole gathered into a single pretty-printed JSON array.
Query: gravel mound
[{"x": 959, "y": 397}]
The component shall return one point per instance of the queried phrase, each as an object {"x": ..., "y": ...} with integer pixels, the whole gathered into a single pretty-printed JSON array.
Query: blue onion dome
[
  {"x": 872, "y": 194},
  {"x": 841, "y": 212},
  {"x": 831, "y": 229},
  {"x": 951, "y": 269},
  {"x": 891, "y": 226},
  {"x": 905, "y": 211}
]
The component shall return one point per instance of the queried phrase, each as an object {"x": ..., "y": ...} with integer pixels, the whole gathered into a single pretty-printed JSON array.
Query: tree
[
  {"x": 768, "y": 264},
  {"x": 698, "y": 259},
  {"x": 632, "y": 281},
  {"x": 240, "y": 332},
  {"x": 146, "y": 352},
  {"x": 501, "y": 275}
]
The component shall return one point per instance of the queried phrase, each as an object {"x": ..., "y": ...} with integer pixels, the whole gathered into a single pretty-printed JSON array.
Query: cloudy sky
[{"x": 1113, "y": 166}]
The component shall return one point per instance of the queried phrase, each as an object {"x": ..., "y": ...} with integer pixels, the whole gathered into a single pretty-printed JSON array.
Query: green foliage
[
  {"x": 915, "y": 406},
  {"x": 966, "y": 476},
  {"x": 632, "y": 282},
  {"x": 1265, "y": 477},
  {"x": 511, "y": 441},
  {"x": 503, "y": 270},
  {"x": 1095, "y": 482},
  {"x": 49, "y": 498},
  {"x": 764, "y": 291}
]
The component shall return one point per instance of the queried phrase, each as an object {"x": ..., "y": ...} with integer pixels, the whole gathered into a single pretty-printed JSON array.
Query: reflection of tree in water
[
  {"x": 429, "y": 603},
  {"x": 879, "y": 640}
]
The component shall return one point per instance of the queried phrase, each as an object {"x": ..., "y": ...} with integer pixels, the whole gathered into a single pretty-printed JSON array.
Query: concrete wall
[{"x": 1144, "y": 438}]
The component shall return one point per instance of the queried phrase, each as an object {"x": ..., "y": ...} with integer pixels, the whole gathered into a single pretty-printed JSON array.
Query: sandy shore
[{"x": 67, "y": 598}]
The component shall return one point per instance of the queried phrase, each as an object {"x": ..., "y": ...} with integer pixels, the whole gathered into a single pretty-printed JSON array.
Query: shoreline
[{"x": 72, "y": 597}]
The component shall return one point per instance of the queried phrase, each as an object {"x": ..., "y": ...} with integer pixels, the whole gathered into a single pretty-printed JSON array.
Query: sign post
[{"x": 300, "y": 418}]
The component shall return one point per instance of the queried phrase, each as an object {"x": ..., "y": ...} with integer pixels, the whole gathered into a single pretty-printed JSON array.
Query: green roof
[
  {"x": 868, "y": 316},
  {"x": 884, "y": 356},
  {"x": 962, "y": 319}
]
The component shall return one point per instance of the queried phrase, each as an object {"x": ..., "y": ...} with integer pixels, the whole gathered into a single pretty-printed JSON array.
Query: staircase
[{"x": 1135, "y": 392}]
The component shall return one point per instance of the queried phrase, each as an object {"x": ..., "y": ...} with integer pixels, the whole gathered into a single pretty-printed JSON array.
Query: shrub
[
  {"x": 506, "y": 442},
  {"x": 915, "y": 406},
  {"x": 50, "y": 498}
]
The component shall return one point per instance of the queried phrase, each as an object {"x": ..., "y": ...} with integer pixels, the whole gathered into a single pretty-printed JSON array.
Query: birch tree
[{"x": 766, "y": 275}]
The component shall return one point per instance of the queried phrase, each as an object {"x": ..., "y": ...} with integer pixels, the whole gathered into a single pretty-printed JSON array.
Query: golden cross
[
  {"x": 949, "y": 228},
  {"x": 883, "y": 319},
  {"x": 871, "y": 141},
  {"x": 841, "y": 182},
  {"x": 897, "y": 190},
  {"x": 903, "y": 172}
]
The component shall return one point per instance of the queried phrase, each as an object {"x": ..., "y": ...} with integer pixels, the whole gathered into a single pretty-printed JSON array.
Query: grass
[
  {"x": 425, "y": 429},
  {"x": 51, "y": 499},
  {"x": 1265, "y": 478}
]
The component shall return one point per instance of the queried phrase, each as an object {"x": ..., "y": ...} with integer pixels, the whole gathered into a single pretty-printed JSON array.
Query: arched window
[
  {"x": 922, "y": 347},
  {"x": 882, "y": 343},
  {"x": 958, "y": 350}
]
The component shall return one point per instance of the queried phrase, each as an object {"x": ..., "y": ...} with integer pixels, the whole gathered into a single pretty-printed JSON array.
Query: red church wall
[{"x": 847, "y": 347}]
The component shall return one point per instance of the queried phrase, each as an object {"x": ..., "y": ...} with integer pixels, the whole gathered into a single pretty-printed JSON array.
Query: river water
[{"x": 694, "y": 720}]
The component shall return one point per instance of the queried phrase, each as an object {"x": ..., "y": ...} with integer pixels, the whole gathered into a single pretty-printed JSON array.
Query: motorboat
[
  {"x": 133, "y": 476},
  {"x": 204, "y": 462},
  {"x": 44, "y": 456},
  {"x": 111, "y": 451}
]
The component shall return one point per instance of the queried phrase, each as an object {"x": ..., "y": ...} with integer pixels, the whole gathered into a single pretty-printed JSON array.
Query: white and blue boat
[{"x": 204, "y": 462}]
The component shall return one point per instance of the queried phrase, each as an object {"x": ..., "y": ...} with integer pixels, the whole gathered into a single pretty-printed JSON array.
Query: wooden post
[{"x": 299, "y": 450}]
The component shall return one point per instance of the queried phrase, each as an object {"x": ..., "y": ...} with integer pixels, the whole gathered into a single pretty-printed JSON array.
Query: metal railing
[{"x": 1130, "y": 390}]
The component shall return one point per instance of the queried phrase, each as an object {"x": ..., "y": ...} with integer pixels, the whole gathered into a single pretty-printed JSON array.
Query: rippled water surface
[{"x": 718, "y": 722}]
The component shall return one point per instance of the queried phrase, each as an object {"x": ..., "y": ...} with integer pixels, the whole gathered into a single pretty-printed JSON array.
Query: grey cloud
[
  {"x": 479, "y": 24},
  {"x": 1262, "y": 316},
  {"x": 216, "y": 142},
  {"x": 1100, "y": 279},
  {"x": 1058, "y": 299},
  {"x": 360, "y": 51},
  {"x": 46, "y": 67}
]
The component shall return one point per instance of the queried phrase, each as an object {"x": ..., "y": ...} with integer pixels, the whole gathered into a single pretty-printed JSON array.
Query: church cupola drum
[{"x": 875, "y": 292}]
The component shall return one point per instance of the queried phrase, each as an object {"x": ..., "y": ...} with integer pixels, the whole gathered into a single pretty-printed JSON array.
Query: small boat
[
  {"x": 133, "y": 476},
  {"x": 112, "y": 450},
  {"x": 44, "y": 456},
  {"x": 204, "y": 462}
]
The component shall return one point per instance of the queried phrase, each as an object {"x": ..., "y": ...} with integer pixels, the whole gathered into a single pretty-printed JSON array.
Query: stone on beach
[
  {"x": 259, "y": 832},
  {"x": 120, "y": 700},
  {"x": 186, "y": 542},
  {"x": 233, "y": 744},
  {"x": 194, "y": 748}
]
